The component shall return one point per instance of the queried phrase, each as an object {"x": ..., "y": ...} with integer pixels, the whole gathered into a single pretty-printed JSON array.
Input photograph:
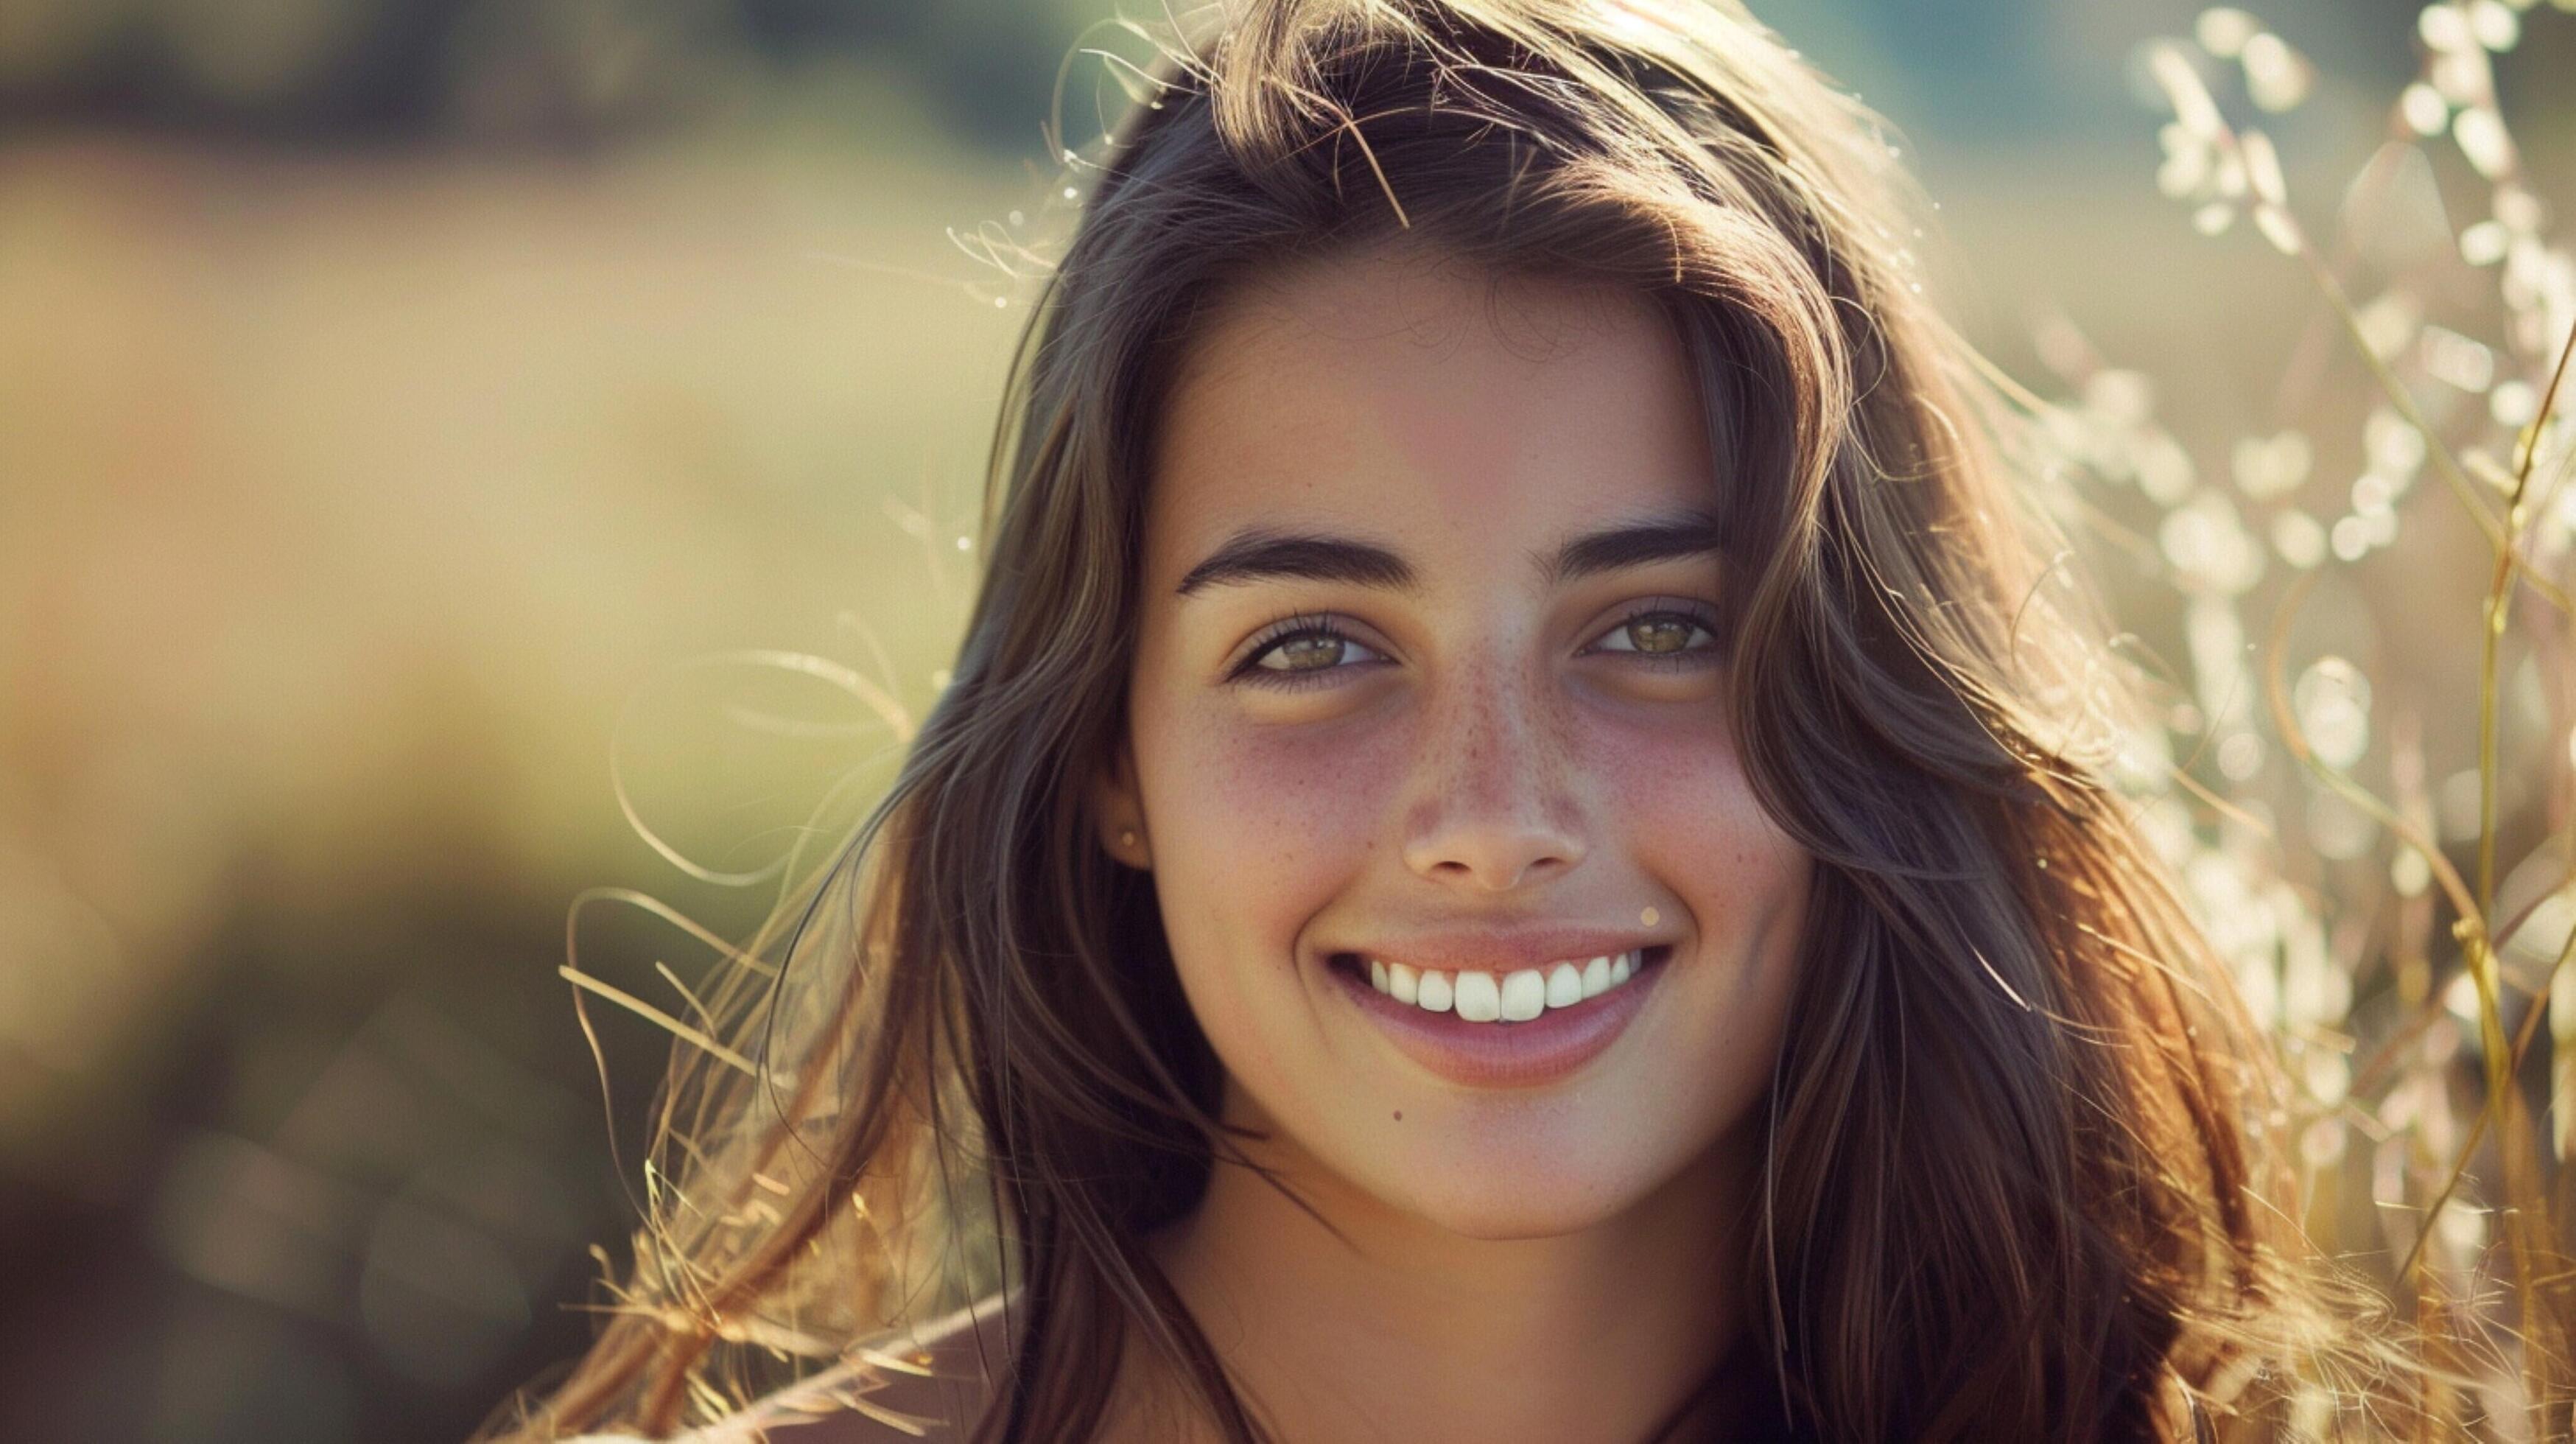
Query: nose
[{"x": 1489, "y": 809}]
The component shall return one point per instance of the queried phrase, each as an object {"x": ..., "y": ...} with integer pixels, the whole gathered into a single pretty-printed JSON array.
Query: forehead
[{"x": 1412, "y": 395}]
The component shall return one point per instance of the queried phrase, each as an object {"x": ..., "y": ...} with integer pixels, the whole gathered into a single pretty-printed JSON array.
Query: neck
[{"x": 1400, "y": 1328}]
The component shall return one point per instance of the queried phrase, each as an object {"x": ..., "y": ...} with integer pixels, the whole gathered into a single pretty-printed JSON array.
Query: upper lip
[{"x": 1500, "y": 950}]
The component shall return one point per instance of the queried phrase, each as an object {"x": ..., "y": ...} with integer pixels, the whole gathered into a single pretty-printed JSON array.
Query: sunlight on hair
[{"x": 2203, "y": 889}]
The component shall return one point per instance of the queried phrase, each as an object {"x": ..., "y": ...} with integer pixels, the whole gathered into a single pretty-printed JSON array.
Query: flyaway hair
[{"x": 2020, "y": 1180}]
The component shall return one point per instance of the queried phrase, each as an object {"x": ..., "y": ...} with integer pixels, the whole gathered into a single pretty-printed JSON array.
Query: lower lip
[{"x": 1551, "y": 1046}]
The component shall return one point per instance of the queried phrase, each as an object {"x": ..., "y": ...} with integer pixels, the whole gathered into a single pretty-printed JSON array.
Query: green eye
[
  {"x": 1659, "y": 634},
  {"x": 1305, "y": 652}
]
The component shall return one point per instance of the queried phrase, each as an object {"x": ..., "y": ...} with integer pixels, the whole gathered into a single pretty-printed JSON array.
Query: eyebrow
[
  {"x": 1657, "y": 539},
  {"x": 1258, "y": 554}
]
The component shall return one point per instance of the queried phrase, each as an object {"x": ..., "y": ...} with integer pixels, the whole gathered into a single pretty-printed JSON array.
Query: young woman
[{"x": 1518, "y": 849}]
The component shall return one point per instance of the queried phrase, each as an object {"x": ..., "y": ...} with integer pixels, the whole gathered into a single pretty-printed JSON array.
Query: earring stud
[{"x": 1127, "y": 837}]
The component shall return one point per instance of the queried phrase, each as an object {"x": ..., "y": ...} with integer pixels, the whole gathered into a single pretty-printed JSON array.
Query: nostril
[{"x": 1496, "y": 853}]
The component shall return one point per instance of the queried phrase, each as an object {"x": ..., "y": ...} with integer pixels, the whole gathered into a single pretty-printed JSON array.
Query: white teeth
[
  {"x": 1564, "y": 985},
  {"x": 1515, "y": 997},
  {"x": 1480, "y": 998},
  {"x": 1434, "y": 996}
]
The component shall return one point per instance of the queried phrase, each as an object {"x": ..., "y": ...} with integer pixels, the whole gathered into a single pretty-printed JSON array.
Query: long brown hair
[{"x": 2019, "y": 1181}]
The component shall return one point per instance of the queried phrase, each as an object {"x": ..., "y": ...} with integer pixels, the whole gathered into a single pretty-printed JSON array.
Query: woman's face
[{"x": 1430, "y": 676}]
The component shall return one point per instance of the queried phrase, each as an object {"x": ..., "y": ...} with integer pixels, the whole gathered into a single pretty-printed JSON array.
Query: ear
[{"x": 1117, "y": 813}]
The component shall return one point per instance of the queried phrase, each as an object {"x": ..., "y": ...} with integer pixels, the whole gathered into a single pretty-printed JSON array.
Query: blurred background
[{"x": 419, "y": 421}]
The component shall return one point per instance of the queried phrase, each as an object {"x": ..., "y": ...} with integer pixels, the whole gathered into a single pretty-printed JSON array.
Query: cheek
[
  {"x": 1257, "y": 828},
  {"x": 1699, "y": 835},
  {"x": 1676, "y": 794}
]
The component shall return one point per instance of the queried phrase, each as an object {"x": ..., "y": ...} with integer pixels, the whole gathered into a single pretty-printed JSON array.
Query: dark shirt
[{"x": 1740, "y": 1403}]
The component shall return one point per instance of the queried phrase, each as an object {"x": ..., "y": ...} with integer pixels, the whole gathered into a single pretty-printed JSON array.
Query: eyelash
[
  {"x": 1287, "y": 629},
  {"x": 1250, "y": 672}
]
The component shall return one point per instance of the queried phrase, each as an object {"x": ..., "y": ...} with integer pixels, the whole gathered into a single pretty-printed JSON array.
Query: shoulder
[{"x": 931, "y": 1383}]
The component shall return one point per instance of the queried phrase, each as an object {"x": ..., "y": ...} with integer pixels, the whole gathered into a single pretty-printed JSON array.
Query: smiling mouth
[{"x": 1518, "y": 996}]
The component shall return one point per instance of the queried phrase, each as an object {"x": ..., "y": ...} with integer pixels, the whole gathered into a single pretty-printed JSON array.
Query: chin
[{"x": 1501, "y": 1201}]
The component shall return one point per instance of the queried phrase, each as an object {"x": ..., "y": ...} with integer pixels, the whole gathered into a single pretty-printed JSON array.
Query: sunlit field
[
  {"x": 349, "y": 508},
  {"x": 401, "y": 543}
]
